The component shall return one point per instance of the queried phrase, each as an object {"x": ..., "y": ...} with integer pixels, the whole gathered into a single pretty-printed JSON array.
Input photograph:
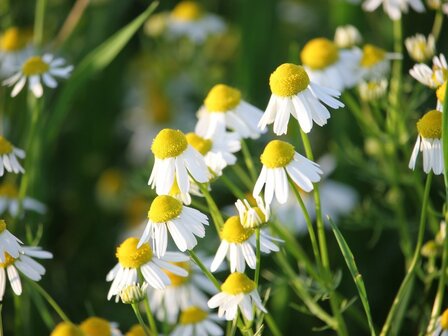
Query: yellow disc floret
[
  {"x": 192, "y": 315},
  {"x": 34, "y": 66},
  {"x": 319, "y": 53},
  {"x": 177, "y": 280},
  {"x": 8, "y": 190},
  {"x": 234, "y": 232},
  {"x": 277, "y": 154},
  {"x": 222, "y": 98},
  {"x": 2, "y": 225},
  {"x": 169, "y": 143},
  {"x": 288, "y": 80},
  {"x": 187, "y": 11},
  {"x": 8, "y": 261},
  {"x": 95, "y": 326},
  {"x": 444, "y": 320},
  {"x": 202, "y": 145},
  {"x": 371, "y": 56},
  {"x": 13, "y": 39},
  {"x": 129, "y": 256},
  {"x": 66, "y": 329},
  {"x": 237, "y": 283},
  {"x": 430, "y": 125},
  {"x": 164, "y": 208},
  {"x": 136, "y": 330},
  {"x": 5, "y": 146},
  {"x": 441, "y": 93}
]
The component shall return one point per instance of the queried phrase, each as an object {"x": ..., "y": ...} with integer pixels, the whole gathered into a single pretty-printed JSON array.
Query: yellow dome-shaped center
[
  {"x": 136, "y": 330},
  {"x": 288, "y": 80},
  {"x": 8, "y": 261},
  {"x": 187, "y": 11},
  {"x": 34, "y": 66},
  {"x": 371, "y": 56},
  {"x": 8, "y": 190},
  {"x": 237, "y": 283},
  {"x": 5, "y": 146},
  {"x": 95, "y": 326},
  {"x": 441, "y": 93},
  {"x": 234, "y": 232},
  {"x": 164, "y": 208},
  {"x": 67, "y": 329},
  {"x": 129, "y": 256},
  {"x": 319, "y": 53},
  {"x": 192, "y": 315},
  {"x": 277, "y": 154},
  {"x": 222, "y": 98},
  {"x": 177, "y": 280},
  {"x": 169, "y": 143},
  {"x": 13, "y": 39},
  {"x": 430, "y": 125},
  {"x": 444, "y": 320},
  {"x": 202, "y": 145}
]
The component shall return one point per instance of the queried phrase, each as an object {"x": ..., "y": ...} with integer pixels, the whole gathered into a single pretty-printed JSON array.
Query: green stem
[
  {"x": 39, "y": 21},
  {"x": 437, "y": 26},
  {"x": 242, "y": 176},
  {"x": 204, "y": 269},
  {"x": 1, "y": 320},
  {"x": 273, "y": 327},
  {"x": 140, "y": 319},
  {"x": 233, "y": 188},
  {"x": 248, "y": 160},
  {"x": 258, "y": 255},
  {"x": 50, "y": 301},
  {"x": 150, "y": 317},
  {"x": 214, "y": 210},
  {"x": 416, "y": 258}
]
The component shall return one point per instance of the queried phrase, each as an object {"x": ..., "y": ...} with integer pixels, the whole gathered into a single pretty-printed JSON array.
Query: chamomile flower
[
  {"x": 372, "y": 89},
  {"x": 375, "y": 62},
  {"x": 294, "y": 94},
  {"x": 328, "y": 66},
  {"x": 167, "y": 214},
  {"x": 420, "y": 48},
  {"x": 238, "y": 291},
  {"x": 9, "y": 244},
  {"x": 429, "y": 143},
  {"x": 431, "y": 77},
  {"x": 38, "y": 69},
  {"x": 131, "y": 260},
  {"x": 237, "y": 244},
  {"x": 281, "y": 162},
  {"x": 347, "y": 37},
  {"x": 442, "y": 325},
  {"x": 67, "y": 329},
  {"x": 252, "y": 216},
  {"x": 223, "y": 108},
  {"x": 96, "y": 326},
  {"x": 197, "y": 321},
  {"x": 394, "y": 8},
  {"x": 9, "y": 201},
  {"x": 25, "y": 264},
  {"x": 134, "y": 293},
  {"x": 218, "y": 151},
  {"x": 9, "y": 156},
  {"x": 440, "y": 93}
]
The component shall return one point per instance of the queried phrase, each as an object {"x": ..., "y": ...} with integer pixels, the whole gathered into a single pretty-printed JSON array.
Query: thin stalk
[
  {"x": 248, "y": 160},
  {"x": 235, "y": 190},
  {"x": 399, "y": 298},
  {"x": 273, "y": 327},
  {"x": 140, "y": 319},
  {"x": 50, "y": 301},
  {"x": 150, "y": 317},
  {"x": 39, "y": 20},
  {"x": 1, "y": 320},
  {"x": 437, "y": 25},
  {"x": 71, "y": 21},
  {"x": 214, "y": 210},
  {"x": 234, "y": 325},
  {"x": 204, "y": 269},
  {"x": 258, "y": 256},
  {"x": 241, "y": 173}
]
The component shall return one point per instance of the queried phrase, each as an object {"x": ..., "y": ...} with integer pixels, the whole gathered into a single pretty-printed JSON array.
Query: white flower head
[
  {"x": 98, "y": 326},
  {"x": 197, "y": 321},
  {"x": 375, "y": 62},
  {"x": 168, "y": 214},
  {"x": 238, "y": 291},
  {"x": 134, "y": 293},
  {"x": 36, "y": 70},
  {"x": 252, "y": 216},
  {"x": 9, "y": 156},
  {"x": 175, "y": 160},
  {"x": 347, "y": 37},
  {"x": 431, "y": 77},
  {"x": 9, "y": 201},
  {"x": 9, "y": 244},
  {"x": 223, "y": 108},
  {"x": 372, "y": 89},
  {"x": 429, "y": 143},
  {"x": 420, "y": 48},
  {"x": 294, "y": 94},
  {"x": 442, "y": 325},
  {"x": 394, "y": 8},
  {"x": 281, "y": 162}
]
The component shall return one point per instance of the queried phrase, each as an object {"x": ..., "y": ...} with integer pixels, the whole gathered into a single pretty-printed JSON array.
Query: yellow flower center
[
  {"x": 164, "y": 208},
  {"x": 319, "y": 53},
  {"x": 430, "y": 125},
  {"x": 192, "y": 315},
  {"x": 169, "y": 143},
  {"x": 129, "y": 256},
  {"x": 187, "y": 11},
  {"x": 441, "y": 93},
  {"x": 8, "y": 261},
  {"x": 13, "y": 39},
  {"x": 8, "y": 190},
  {"x": 136, "y": 330},
  {"x": 444, "y": 320},
  {"x": 66, "y": 329},
  {"x": 372, "y": 55},
  {"x": 234, "y": 232},
  {"x": 237, "y": 283},
  {"x": 288, "y": 80},
  {"x": 2, "y": 225},
  {"x": 95, "y": 326},
  {"x": 222, "y": 98},
  {"x": 277, "y": 154},
  {"x": 177, "y": 280},
  {"x": 202, "y": 145},
  {"x": 5, "y": 146},
  {"x": 34, "y": 66}
]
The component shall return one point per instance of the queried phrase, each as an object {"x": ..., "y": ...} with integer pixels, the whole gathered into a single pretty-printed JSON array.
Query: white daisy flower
[
  {"x": 67, "y": 329},
  {"x": 442, "y": 325},
  {"x": 175, "y": 159},
  {"x": 167, "y": 214},
  {"x": 431, "y": 77},
  {"x": 197, "y": 321},
  {"x": 9, "y": 156},
  {"x": 188, "y": 19},
  {"x": 36, "y": 70},
  {"x": 9, "y": 201},
  {"x": 217, "y": 151},
  {"x": 9, "y": 244},
  {"x": 223, "y": 108},
  {"x": 95, "y": 326},
  {"x": 394, "y": 8},
  {"x": 328, "y": 66},
  {"x": 429, "y": 143},
  {"x": 25, "y": 264},
  {"x": 132, "y": 260},
  {"x": 238, "y": 291},
  {"x": 347, "y": 37},
  {"x": 375, "y": 62},
  {"x": 238, "y": 243},
  {"x": 440, "y": 93},
  {"x": 372, "y": 89},
  {"x": 252, "y": 216},
  {"x": 294, "y": 94},
  {"x": 14, "y": 46},
  {"x": 420, "y": 48},
  {"x": 134, "y": 293},
  {"x": 281, "y": 162}
]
